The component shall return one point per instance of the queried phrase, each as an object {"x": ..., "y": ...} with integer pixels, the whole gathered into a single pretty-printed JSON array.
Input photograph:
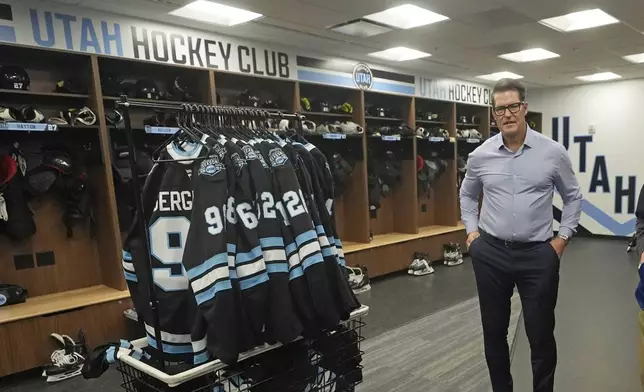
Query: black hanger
[{"x": 186, "y": 133}]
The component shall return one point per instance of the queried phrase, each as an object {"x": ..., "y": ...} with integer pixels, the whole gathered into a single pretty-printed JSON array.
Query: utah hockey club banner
[{"x": 76, "y": 29}]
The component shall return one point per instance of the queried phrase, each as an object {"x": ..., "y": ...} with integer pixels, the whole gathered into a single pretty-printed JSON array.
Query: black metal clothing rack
[{"x": 125, "y": 105}]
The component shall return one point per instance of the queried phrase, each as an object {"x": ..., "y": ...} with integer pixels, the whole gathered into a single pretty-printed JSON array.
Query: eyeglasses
[{"x": 513, "y": 108}]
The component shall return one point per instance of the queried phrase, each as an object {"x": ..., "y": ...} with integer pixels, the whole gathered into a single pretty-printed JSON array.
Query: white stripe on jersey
[
  {"x": 200, "y": 345},
  {"x": 340, "y": 251},
  {"x": 309, "y": 249},
  {"x": 324, "y": 241},
  {"x": 128, "y": 266},
  {"x": 274, "y": 255},
  {"x": 294, "y": 260},
  {"x": 208, "y": 279},
  {"x": 169, "y": 337},
  {"x": 250, "y": 269}
]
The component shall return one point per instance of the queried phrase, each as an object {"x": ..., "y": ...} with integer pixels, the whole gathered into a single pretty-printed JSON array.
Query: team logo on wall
[
  {"x": 277, "y": 157},
  {"x": 362, "y": 77},
  {"x": 210, "y": 167}
]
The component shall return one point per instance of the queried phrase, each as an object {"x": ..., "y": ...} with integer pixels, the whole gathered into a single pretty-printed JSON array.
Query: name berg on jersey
[{"x": 174, "y": 201}]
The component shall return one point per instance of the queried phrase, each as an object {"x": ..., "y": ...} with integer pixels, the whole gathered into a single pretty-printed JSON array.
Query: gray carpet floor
[
  {"x": 596, "y": 331},
  {"x": 439, "y": 353}
]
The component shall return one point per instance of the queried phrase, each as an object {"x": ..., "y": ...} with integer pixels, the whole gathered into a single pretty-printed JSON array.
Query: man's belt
[{"x": 509, "y": 244}]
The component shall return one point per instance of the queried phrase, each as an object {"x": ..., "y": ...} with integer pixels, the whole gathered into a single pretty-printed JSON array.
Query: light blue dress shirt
[{"x": 518, "y": 188}]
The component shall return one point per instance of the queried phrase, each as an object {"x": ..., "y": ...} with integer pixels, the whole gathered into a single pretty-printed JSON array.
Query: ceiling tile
[{"x": 490, "y": 19}]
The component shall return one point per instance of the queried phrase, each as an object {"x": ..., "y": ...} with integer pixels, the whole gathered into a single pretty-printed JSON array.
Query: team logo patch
[
  {"x": 219, "y": 150},
  {"x": 277, "y": 157},
  {"x": 238, "y": 162},
  {"x": 210, "y": 167},
  {"x": 249, "y": 153}
]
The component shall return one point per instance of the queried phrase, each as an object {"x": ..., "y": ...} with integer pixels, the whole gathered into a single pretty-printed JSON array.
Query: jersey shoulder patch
[
  {"x": 249, "y": 152},
  {"x": 277, "y": 157},
  {"x": 238, "y": 162},
  {"x": 210, "y": 167}
]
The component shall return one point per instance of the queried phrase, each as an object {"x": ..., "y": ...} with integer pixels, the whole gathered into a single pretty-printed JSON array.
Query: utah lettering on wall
[{"x": 81, "y": 30}]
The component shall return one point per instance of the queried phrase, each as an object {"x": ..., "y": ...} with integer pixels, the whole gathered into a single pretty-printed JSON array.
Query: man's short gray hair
[{"x": 504, "y": 85}]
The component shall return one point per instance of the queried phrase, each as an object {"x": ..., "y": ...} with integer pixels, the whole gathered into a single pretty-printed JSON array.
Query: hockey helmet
[
  {"x": 14, "y": 78},
  {"x": 146, "y": 88}
]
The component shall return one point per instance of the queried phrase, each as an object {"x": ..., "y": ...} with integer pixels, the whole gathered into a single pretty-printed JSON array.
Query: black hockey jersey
[
  {"x": 299, "y": 221},
  {"x": 167, "y": 203}
]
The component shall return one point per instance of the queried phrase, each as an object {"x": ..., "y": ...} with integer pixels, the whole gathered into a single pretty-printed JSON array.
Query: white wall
[{"x": 616, "y": 111}]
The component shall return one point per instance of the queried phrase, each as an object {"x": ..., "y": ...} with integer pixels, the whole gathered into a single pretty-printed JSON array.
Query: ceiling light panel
[
  {"x": 215, "y": 13},
  {"x": 579, "y": 20},
  {"x": 599, "y": 77},
  {"x": 406, "y": 16},
  {"x": 528, "y": 55},
  {"x": 500, "y": 75},
  {"x": 635, "y": 58},
  {"x": 400, "y": 53},
  {"x": 361, "y": 28}
]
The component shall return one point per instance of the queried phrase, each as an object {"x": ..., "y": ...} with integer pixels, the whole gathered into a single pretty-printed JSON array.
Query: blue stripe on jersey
[
  {"x": 137, "y": 355},
  {"x": 338, "y": 242},
  {"x": 271, "y": 242},
  {"x": 305, "y": 237},
  {"x": 110, "y": 355},
  {"x": 201, "y": 358},
  {"x": 327, "y": 252},
  {"x": 331, "y": 240},
  {"x": 125, "y": 344},
  {"x": 209, "y": 294},
  {"x": 246, "y": 284},
  {"x": 249, "y": 256},
  {"x": 215, "y": 261},
  {"x": 290, "y": 248},
  {"x": 127, "y": 256},
  {"x": 171, "y": 348},
  {"x": 232, "y": 273},
  {"x": 295, "y": 273},
  {"x": 231, "y": 248},
  {"x": 320, "y": 229},
  {"x": 130, "y": 276},
  {"x": 276, "y": 268},
  {"x": 312, "y": 259}
]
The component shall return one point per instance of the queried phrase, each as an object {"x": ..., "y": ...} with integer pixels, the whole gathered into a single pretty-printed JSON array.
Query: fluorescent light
[
  {"x": 635, "y": 58},
  {"x": 579, "y": 20},
  {"x": 361, "y": 28},
  {"x": 529, "y": 55},
  {"x": 406, "y": 16},
  {"x": 598, "y": 77},
  {"x": 400, "y": 53},
  {"x": 215, "y": 13},
  {"x": 500, "y": 75}
]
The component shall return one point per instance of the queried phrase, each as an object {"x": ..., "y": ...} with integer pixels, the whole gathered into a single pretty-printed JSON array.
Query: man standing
[{"x": 511, "y": 244}]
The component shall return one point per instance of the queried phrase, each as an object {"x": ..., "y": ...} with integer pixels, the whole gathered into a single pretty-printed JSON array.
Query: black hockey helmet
[
  {"x": 14, "y": 78},
  {"x": 112, "y": 84},
  {"x": 180, "y": 90},
  {"x": 11, "y": 294},
  {"x": 71, "y": 86},
  {"x": 146, "y": 88},
  {"x": 248, "y": 99}
]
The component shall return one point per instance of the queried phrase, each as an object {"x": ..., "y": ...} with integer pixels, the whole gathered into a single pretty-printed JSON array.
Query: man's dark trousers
[{"x": 534, "y": 269}]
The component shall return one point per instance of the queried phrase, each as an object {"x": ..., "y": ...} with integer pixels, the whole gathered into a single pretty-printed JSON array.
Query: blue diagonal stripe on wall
[
  {"x": 7, "y": 34},
  {"x": 621, "y": 229},
  {"x": 617, "y": 228}
]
